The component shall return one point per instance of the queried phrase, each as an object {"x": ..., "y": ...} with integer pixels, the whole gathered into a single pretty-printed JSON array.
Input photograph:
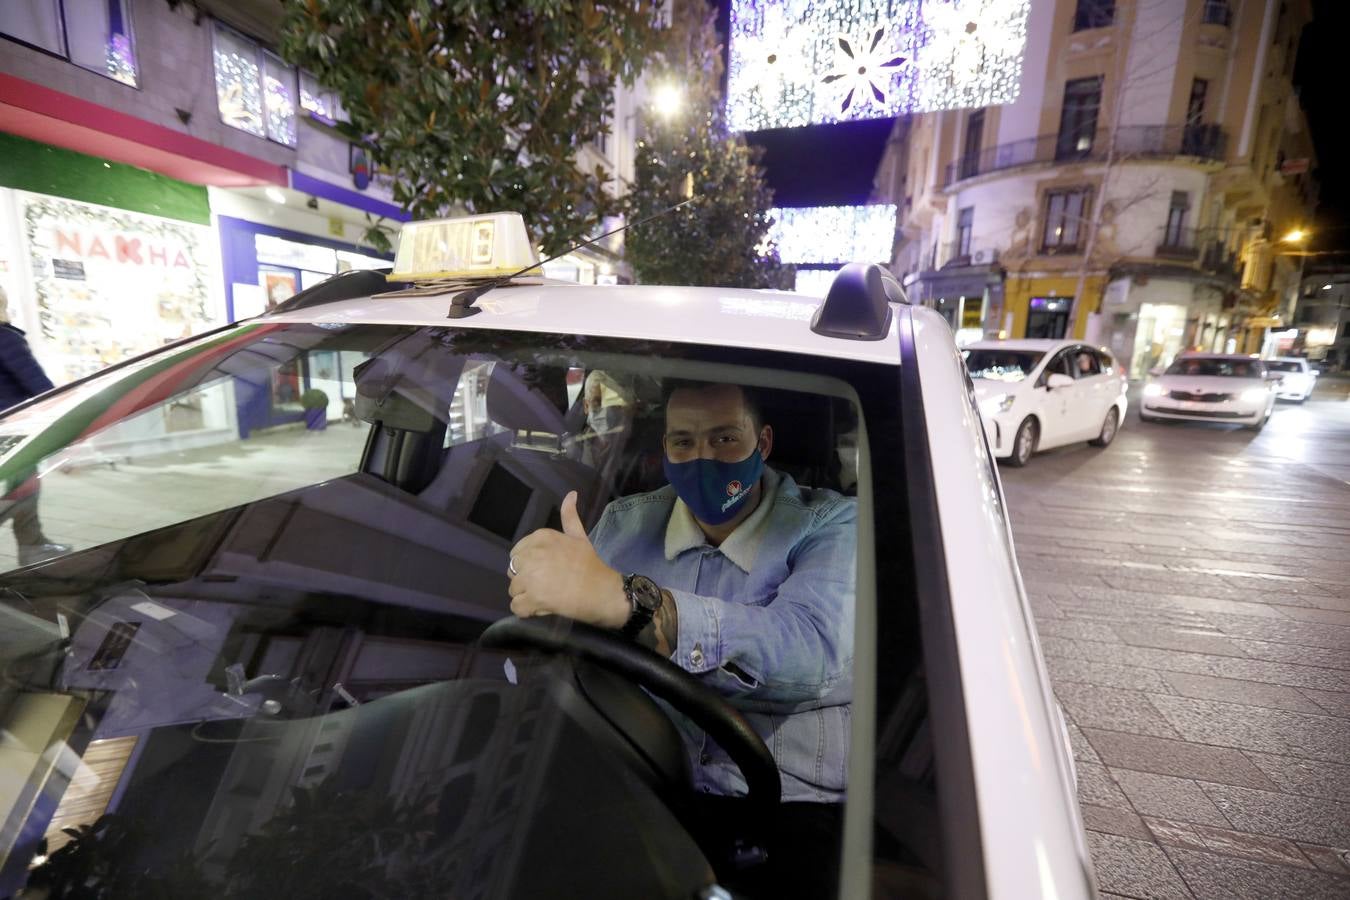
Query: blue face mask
[{"x": 715, "y": 491}]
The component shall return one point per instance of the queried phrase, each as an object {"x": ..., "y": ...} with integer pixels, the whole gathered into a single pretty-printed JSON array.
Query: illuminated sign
[
  {"x": 795, "y": 63},
  {"x": 833, "y": 234}
]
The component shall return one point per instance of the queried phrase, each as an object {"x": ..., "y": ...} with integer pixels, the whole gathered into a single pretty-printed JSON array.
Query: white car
[
  {"x": 1211, "y": 387},
  {"x": 1038, "y": 394},
  {"x": 283, "y": 641},
  {"x": 1297, "y": 378}
]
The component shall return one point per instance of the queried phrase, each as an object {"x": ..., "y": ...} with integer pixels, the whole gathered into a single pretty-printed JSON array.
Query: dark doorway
[{"x": 1048, "y": 317}]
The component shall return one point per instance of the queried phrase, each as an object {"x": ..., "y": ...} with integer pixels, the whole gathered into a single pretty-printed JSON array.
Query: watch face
[{"x": 645, "y": 593}]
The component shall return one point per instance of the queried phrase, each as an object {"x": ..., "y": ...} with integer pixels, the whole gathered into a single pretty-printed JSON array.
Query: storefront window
[
  {"x": 279, "y": 99},
  {"x": 110, "y": 284},
  {"x": 93, "y": 34},
  {"x": 255, "y": 90}
]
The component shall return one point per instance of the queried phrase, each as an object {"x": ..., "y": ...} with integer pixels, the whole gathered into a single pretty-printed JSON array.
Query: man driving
[{"x": 733, "y": 572}]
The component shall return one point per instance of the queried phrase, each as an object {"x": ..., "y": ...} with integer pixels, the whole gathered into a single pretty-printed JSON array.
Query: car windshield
[
  {"x": 1001, "y": 365},
  {"x": 1284, "y": 365},
  {"x": 1218, "y": 367},
  {"x": 259, "y": 657}
]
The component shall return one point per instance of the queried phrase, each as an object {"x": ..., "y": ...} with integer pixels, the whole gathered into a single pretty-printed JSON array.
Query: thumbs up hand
[{"x": 559, "y": 573}]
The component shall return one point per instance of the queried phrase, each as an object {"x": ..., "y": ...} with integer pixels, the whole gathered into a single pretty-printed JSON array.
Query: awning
[{"x": 958, "y": 281}]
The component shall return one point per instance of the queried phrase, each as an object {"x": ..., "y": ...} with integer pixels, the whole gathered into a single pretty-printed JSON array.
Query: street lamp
[
  {"x": 667, "y": 100},
  {"x": 1295, "y": 236}
]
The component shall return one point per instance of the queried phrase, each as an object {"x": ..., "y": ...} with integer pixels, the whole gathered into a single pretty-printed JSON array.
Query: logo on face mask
[{"x": 713, "y": 490}]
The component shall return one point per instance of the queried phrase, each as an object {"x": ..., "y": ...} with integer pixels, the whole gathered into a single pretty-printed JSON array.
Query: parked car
[
  {"x": 1211, "y": 387},
  {"x": 288, "y": 656},
  {"x": 1039, "y": 394},
  {"x": 1296, "y": 378}
]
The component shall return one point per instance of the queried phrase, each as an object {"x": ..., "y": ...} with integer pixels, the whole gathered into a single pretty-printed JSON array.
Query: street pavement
[{"x": 1191, "y": 585}]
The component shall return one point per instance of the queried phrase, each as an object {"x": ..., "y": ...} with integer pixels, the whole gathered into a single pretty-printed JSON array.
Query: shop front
[
  {"x": 969, "y": 297},
  {"x": 1149, "y": 319},
  {"x": 1046, "y": 306}
]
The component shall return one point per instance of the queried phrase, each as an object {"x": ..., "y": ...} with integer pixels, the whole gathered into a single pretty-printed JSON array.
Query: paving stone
[
  {"x": 1168, "y": 797},
  {"x": 1082, "y": 750},
  {"x": 1182, "y": 759},
  {"x": 1328, "y": 859},
  {"x": 1134, "y": 868},
  {"x": 1098, "y": 707},
  {"x": 1214, "y": 877},
  {"x": 1328, "y": 616},
  {"x": 1305, "y": 819},
  {"x": 1260, "y": 848},
  {"x": 1076, "y": 628},
  {"x": 1273, "y": 731},
  {"x": 1232, "y": 690},
  {"x": 1132, "y": 678},
  {"x": 1332, "y": 658},
  {"x": 1337, "y": 703},
  {"x": 1326, "y": 780},
  {"x": 1209, "y": 641},
  {"x": 1307, "y": 634},
  {"x": 1321, "y": 679},
  {"x": 1111, "y": 820},
  {"x": 1096, "y": 786}
]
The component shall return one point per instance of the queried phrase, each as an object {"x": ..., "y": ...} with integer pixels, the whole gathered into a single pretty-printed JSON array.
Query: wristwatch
[{"x": 645, "y": 599}]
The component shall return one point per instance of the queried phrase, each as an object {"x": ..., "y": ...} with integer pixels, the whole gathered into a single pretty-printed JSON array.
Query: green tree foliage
[
  {"x": 482, "y": 104},
  {"x": 721, "y": 238}
]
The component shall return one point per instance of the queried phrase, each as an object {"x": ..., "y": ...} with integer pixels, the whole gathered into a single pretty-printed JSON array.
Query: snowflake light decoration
[
  {"x": 861, "y": 68},
  {"x": 787, "y": 66},
  {"x": 833, "y": 235}
]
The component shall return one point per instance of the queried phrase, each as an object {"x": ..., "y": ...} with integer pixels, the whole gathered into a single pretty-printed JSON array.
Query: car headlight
[
  {"x": 1254, "y": 395},
  {"x": 1153, "y": 390},
  {"x": 992, "y": 406}
]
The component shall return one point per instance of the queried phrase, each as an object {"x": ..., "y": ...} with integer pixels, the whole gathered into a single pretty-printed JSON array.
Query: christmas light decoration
[
  {"x": 239, "y": 86},
  {"x": 796, "y": 62},
  {"x": 834, "y": 235}
]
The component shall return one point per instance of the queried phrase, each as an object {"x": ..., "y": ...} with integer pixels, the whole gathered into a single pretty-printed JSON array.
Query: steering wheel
[{"x": 662, "y": 678}]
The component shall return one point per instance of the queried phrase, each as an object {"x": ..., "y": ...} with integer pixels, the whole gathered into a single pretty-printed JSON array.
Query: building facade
[
  {"x": 164, "y": 170},
  {"x": 1321, "y": 321},
  {"x": 1135, "y": 194}
]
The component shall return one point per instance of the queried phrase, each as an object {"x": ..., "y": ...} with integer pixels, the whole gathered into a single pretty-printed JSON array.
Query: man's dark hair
[{"x": 749, "y": 396}]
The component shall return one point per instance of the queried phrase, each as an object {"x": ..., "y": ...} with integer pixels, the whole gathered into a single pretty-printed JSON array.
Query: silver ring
[{"x": 511, "y": 568}]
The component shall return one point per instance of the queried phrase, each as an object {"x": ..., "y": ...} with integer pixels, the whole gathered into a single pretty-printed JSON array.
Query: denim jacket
[{"x": 766, "y": 619}]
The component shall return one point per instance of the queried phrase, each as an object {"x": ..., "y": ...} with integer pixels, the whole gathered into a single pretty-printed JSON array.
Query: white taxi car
[
  {"x": 1296, "y": 378},
  {"x": 280, "y": 655},
  {"x": 1211, "y": 387},
  {"x": 1039, "y": 394}
]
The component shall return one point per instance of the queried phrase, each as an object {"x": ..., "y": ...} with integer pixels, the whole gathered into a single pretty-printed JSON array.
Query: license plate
[{"x": 1191, "y": 404}]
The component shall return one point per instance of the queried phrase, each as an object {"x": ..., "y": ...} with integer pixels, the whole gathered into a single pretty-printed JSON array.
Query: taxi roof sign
[{"x": 484, "y": 246}]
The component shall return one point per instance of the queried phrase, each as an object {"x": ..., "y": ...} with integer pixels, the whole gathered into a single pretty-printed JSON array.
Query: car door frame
[
  {"x": 1054, "y": 405},
  {"x": 1090, "y": 399}
]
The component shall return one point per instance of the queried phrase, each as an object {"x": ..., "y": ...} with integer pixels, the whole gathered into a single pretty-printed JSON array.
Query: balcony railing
[
  {"x": 1178, "y": 244},
  {"x": 1132, "y": 141},
  {"x": 953, "y": 254}
]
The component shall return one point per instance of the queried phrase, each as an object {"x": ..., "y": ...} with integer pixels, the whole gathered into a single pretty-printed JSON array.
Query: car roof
[
  {"x": 1043, "y": 345},
  {"x": 1233, "y": 356},
  {"x": 724, "y": 317}
]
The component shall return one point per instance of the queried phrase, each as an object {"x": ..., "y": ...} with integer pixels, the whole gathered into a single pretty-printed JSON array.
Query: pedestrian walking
[{"x": 21, "y": 377}]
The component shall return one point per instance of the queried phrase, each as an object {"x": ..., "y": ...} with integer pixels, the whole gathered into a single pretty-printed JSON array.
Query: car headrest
[{"x": 515, "y": 404}]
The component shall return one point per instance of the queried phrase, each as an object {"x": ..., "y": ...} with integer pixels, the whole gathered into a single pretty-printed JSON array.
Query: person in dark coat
[{"x": 21, "y": 377}]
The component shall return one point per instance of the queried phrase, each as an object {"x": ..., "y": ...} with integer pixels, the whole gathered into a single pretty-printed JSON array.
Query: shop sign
[
  {"x": 110, "y": 283},
  {"x": 292, "y": 254}
]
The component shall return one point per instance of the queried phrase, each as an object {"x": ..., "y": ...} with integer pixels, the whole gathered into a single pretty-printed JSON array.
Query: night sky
[{"x": 835, "y": 164}]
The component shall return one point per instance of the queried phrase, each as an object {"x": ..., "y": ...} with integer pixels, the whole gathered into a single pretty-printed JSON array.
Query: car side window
[
  {"x": 1106, "y": 361},
  {"x": 1058, "y": 365},
  {"x": 1085, "y": 363}
]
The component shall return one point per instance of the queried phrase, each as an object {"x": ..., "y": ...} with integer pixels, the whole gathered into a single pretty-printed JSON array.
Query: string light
[
  {"x": 788, "y": 66},
  {"x": 833, "y": 234}
]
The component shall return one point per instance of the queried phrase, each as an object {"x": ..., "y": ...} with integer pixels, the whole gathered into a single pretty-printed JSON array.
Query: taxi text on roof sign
[{"x": 489, "y": 245}]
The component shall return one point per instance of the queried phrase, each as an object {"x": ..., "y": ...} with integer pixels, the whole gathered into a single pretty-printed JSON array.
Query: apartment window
[
  {"x": 1216, "y": 12},
  {"x": 965, "y": 219},
  {"x": 1195, "y": 106},
  {"x": 93, "y": 34},
  {"x": 1174, "y": 233},
  {"x": 319, "y": 102},
  {"x": 1065, "y": 220},
  {"x": 1078, "y": 118},
  {"x": 1094, "y": 14},
  {"x": 255, "y": 90},
  {"x": 970, "y": 156}
]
